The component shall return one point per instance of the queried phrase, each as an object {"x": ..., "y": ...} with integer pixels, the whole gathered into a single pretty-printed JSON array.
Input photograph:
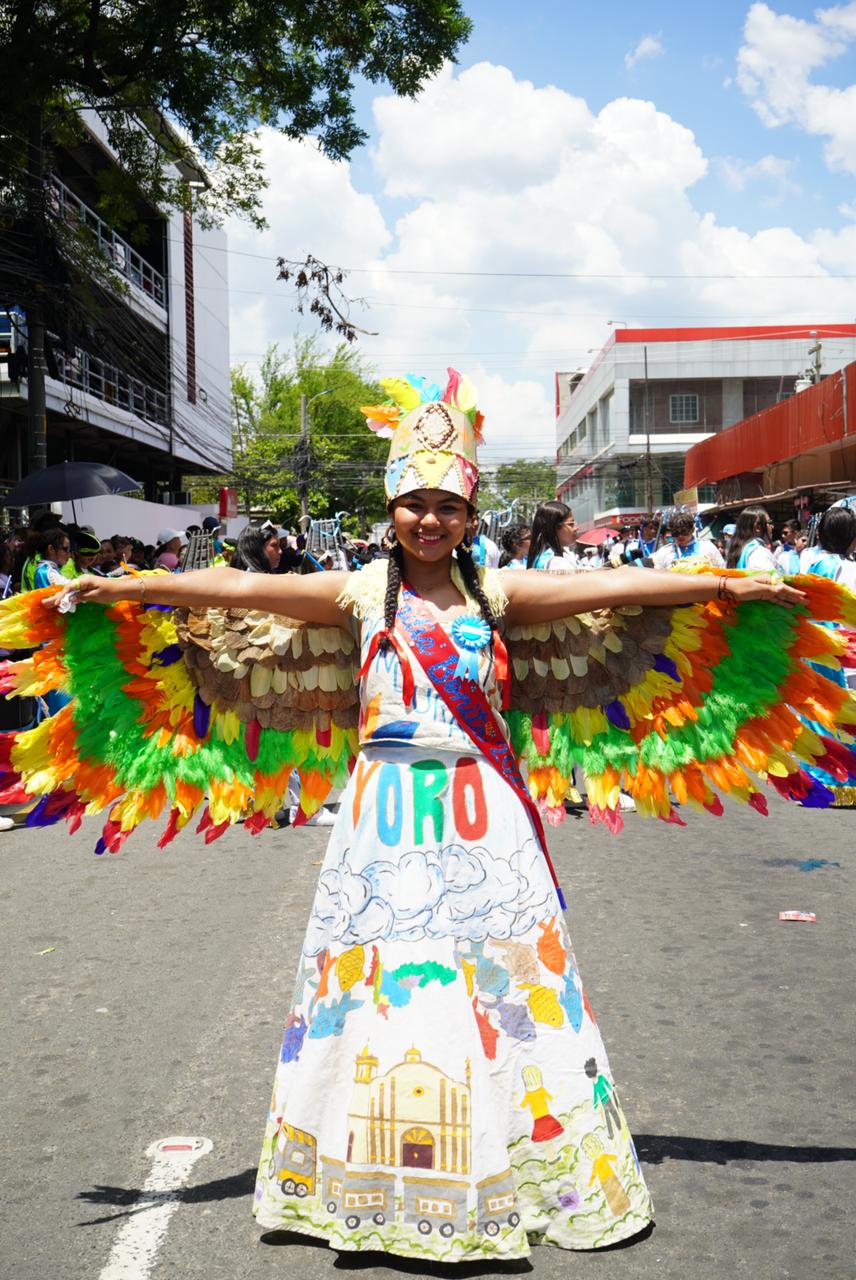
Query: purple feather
[
  {"x": 201, "y": 718},
  {"x": 666, "y": 667},
  {"x": 100, "y": 847},
  {"x": 166, "y": 657},
  {"x": 38, "y": 817},
  {"x": 817, "y": 796},
  {"x": 51, "y": 808},
  {"x": 617, "y": 715}
]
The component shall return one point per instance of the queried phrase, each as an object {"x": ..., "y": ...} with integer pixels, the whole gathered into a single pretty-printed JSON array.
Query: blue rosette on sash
[{"x": 470, "y": 634}]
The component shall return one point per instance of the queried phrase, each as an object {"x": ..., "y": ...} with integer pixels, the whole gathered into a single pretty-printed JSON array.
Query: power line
[{"x": 540, "y": 275}]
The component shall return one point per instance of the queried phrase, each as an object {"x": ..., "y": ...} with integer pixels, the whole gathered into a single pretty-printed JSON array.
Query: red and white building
[{"x": 623, "y": 427}]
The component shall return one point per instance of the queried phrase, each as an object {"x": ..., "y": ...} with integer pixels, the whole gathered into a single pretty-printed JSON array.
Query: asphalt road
[{"x": 145, "y": 995}]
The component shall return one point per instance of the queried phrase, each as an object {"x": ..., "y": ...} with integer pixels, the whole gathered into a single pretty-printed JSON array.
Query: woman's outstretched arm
[
  {"x": 542, "y": 597},
  {"x": 309, "y": 598}
]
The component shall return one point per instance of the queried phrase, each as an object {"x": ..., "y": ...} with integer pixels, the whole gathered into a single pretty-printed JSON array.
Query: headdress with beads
[{"x": 434, "y": 435}]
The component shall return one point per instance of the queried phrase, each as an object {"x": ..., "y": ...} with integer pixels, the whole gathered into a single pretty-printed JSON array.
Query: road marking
[{"x": 136, "y": 1246}]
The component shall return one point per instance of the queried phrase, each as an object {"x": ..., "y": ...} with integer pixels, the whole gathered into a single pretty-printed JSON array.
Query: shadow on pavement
[
  {"x": 653, "y": 1148},
  {"x": 231, "y": 1188}
]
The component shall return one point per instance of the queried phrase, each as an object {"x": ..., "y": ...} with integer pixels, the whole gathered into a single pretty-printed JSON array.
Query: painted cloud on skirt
[{"x": 450, "y": 893}]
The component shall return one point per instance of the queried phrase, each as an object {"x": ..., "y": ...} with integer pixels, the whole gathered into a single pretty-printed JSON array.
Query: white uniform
[{"x": 702, "y": 551}]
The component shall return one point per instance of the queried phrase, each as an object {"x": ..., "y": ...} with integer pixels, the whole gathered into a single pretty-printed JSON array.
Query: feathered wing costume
[
  {"x": 179, "y": 713},
  {"x": 443, "y": 1090}
]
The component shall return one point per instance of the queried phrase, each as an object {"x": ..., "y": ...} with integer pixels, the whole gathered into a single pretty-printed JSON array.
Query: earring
[{"x": 391, "y": 539}]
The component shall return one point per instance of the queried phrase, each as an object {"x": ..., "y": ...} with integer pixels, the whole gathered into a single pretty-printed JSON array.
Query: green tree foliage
[
  {"x": 344, "y": 461},
  {"x": 529, "y": 480},
  {"x": 217, "y": 70}
]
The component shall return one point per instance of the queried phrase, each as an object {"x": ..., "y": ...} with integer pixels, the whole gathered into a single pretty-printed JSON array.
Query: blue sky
[
  {"x": 605, "y": 143},
  {"x": 582, "y": 47}
]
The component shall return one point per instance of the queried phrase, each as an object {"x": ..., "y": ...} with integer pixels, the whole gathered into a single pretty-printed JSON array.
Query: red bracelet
[{"x": 723, "y": 593}]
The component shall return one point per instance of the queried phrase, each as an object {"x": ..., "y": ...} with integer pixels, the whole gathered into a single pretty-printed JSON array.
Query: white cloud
[
  {"x": 481, "y": 129},
  {"x": 311, "y": 206},
  {"x": 774, "y": 172},
  {"x": 648, "y": 47},
  {"x": 485, "y": 176},
  {"x": 775, "y": 69}
]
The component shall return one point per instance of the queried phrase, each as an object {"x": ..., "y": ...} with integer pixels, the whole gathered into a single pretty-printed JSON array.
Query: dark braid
[
  {"x": 393, "y": 586},
  {"x": 470, "y": 575}
]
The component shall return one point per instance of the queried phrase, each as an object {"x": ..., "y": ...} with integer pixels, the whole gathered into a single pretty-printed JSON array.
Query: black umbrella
[{"x": 67, "y": 481}]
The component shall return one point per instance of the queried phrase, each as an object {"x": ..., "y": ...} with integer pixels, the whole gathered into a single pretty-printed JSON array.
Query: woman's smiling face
[{"x": 430, "y": 523}]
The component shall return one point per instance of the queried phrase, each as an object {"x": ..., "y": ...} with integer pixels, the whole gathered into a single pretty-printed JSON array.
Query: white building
[
  {"x": 624, "y": 425},
  {"x": 143, "y": 381}
]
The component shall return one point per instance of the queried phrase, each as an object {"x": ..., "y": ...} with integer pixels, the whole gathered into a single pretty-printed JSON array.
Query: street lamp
[{"x": 303, "y": 447}]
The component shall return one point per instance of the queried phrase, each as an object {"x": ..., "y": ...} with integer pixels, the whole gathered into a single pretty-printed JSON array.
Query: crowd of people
[
  {"x": 552, "y": 542},
  {"x": 49, "y": 552}
]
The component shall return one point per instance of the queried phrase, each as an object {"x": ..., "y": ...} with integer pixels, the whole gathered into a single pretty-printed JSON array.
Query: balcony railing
[
  {"x": 66, "y": 205},
  {"x": 107, "y": 383}
]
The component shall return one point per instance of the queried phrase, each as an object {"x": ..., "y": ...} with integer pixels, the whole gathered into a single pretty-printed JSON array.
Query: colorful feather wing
[
  {"x": 684, "y": 703},
  {"x": 177, "y": 711}
]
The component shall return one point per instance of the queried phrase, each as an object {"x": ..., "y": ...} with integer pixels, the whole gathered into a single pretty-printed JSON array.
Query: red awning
[{"x": 809, "y": 420}]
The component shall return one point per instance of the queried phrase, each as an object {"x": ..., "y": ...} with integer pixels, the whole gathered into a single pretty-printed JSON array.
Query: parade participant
[
  {"x": 515, "y": 546},
  {"x": 443, "y": 1091},
  {"x": 685, "y": 547},
  {"x": 749, "y": 547},
  {"x": 171, "y": 540},
  {"x": 790, "y": 530},
  {"x": 554, "y": 539},
  {"x": 794, "y": 542},
  {"x": 649, "y": 533},
  {"x": 212, "y": 526},
  {"x": 32, "y": 548},
  {"x": 484, "y": 551},
  {"x": 54, "y": 553},
  {"x": 7, "y": 569},
  {"x": 836, "y": 541},
  {"x": 830, "y": 558},
  {"x": 257, "y": 550},
  {"x": 85, "y": 553}
]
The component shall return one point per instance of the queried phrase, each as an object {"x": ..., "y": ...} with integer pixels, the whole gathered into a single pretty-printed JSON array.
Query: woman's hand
[
  {"x": 763, "y": 586},
  {"x": 87, "y": 589}
]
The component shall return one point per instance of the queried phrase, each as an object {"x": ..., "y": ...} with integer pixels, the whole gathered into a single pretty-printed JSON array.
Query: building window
[{"x": 683, "y": 408}]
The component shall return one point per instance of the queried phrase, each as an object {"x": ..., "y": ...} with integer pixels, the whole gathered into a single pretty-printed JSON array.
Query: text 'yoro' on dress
[{"x": 443, "y": 1090}]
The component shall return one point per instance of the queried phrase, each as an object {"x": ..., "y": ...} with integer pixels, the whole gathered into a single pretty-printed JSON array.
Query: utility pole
[
  {"x": 816, "y": 352},
  {"x": 37, "y": 442},
  {"x": 303, "y": 462},
  {"x": 649, "y": 476},
  {"x": 304, "y": 454}
]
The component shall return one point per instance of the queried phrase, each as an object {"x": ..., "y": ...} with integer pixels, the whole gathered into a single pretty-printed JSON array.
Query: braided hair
[{"x": 469, "y": 573}]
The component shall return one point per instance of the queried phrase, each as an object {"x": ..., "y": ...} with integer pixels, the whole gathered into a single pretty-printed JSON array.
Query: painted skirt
[{"x": 443, "y": 1091}]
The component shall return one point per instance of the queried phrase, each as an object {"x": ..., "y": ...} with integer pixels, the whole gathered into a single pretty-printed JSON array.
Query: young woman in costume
[
  {"x": 554, "y": 539},
  {"x": 749, "y": 547},
  {"x": 443, "y": 1090}
]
